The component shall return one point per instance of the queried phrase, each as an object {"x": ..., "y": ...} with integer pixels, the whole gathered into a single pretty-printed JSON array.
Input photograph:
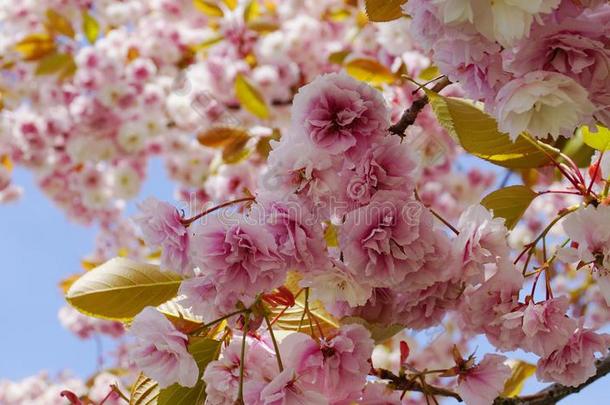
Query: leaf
[
  {"x": 509, "y": 203},
  {"x": 250, "y": 98},
  {"x": 478, "y": 134},
  {"x": 252, "y": 11},
  {"x": 290, "y": 320},
  {"x": 338, "y": 57},
  {"x": 263, "y": 146},
  {"x": 208, "y": 8},
  {"x": 429, "y": 73},
  {"x": 370, "y": 71},
  {"x": 35, "y": 46},
  {"x": 144, "y": 391},
  {"x": 59, "y": 24},
  {"x": 330, "y": 235},
  {"x": 182, "y": 318},
  {"x": 232, "y": 141},
  {"x": 521, "y": 371},
  {"x": 384, "y": 10},
  {"x": 232, "y": 4},
  {"x": 120, "y": 288},
  {"x": 576, "y": 149},
  {"x": 599, "y": 140},
  {"x": 6, "y": 161},
  {"x": 54, "y": 63},
  {"x": 204, "y": 351},
  {"x": 91, "y": 27},
  {"x": 379, "y": 333}
]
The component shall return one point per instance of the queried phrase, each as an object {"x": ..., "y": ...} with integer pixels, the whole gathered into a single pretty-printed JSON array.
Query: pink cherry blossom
[
  {"x": 160, "y": 225},
  {"x": 542, "y": 103},
  {"x": 161, "y": 351},
  {"x": 387, "y": 239},
  {"x": 574, "y": 363},
  {"x": 481, "y": 384},
  {"x": 482, "y": 240},
  {"x": 338, "y": 113},
  {"x": 239, "y": 256},
  {"x": 336, "y": 367},
  {"x": 546, "y": 326},
  {"x": 284, "y": 389}
]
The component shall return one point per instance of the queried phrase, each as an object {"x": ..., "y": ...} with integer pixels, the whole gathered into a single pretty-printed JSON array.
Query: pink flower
[
  {"x": 387, "y": 239},
  {"x": 576, "y": 46},
  {"x": 297, "y": 231},
  {"x": 574, "y": 363},
  {"x": 482, "y": 240},
  {"x": 284, "y": 389},
  {"x": 221, "y": 376},
  {"x": 387, "y": 165},
  {"x": 337, "y": 112},
  {"x": 542, "y": 103},
  {"x": 481, "y": 384},
  {"x": 336, "y": 367},
  {"x": 239, "y": 258},
  {"x": 546, "y": 326},
  {"x": 161, "y": 227},
  {"x": 161, "y": 351},
  {"x": 491, "y": 307}
]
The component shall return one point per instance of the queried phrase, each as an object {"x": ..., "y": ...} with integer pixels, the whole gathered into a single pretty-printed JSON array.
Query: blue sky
[{"x": 38, "y": 247}]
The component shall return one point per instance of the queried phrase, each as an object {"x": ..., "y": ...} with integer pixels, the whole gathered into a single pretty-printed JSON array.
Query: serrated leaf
[
  {"x": 250, "y": 98},
  {"x": 204, "y": 351},
  {"x": 599, "y": 140},
  {"x": 478, "y": 134},
  {"x": 379, "y": 333},
  {"x": 144, "y": 391},
  {"x": 54, "y": 63},
  {"x": 384, "y": 10},
  {"x": 59, "y": 24},
  {"x": 91, "y": 27},
  {"x": 208, "y": 8},
  {"x": 370, "y": 71},
  {"x": 521, "y": 371},
  {"x": 509, "y": 203},
  {"x": 35, "y": 46},
  {"x": 290, "y": 320},
  {"x": 120, "y": 288}
]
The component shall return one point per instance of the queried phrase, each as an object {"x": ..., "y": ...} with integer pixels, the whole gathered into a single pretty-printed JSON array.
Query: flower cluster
[{"x": 539, "y": 67}]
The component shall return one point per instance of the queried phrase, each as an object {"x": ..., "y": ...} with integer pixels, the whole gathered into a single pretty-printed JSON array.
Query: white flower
[
  {"x": 542, "y": 103},
  {"x": 339, "y": 285}
]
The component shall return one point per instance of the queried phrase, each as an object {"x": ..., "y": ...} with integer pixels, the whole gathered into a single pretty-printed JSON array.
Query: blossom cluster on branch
[{"x": 328, "y": 207}]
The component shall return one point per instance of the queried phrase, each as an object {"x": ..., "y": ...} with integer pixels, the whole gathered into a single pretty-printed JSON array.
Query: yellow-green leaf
[
  {"x": 521, "y": 371},
  {"x": 59, "y": 24},
  {"x": 144, "y": 391},
  {"x": 384, "y": 10},
  {"x": 370, "y": 71},
  {"x": 121, "y": 288},
  {"x": 54, "y": 63},
  {"x": 250, "y": 98},
  {"x": 330, "y": 235},
  {"x": 232, "y": 4},
  {"x": 429, "y": 73},
  {"x": 182, "y": 318},
  {"x": 509, "y": 203},
  {"x": 599, "y": 140},
  {"x": 91, "y": 27},
  {"x": 35, "y": 46},
  {"x": 252, "y": 11},
  {"x": 208, "y": 8},
  {"x": 204, "y": 351},
  {"x": 478, "y": 134},
  {"x": 338, "y": 57},
  {"x": 576, "y": 149}
]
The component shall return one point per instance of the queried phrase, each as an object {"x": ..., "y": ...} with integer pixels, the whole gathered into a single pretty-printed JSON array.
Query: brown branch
[
  {"x": 410, "y": 115},
  {"x": 401, "y": 383},
  {"x": 548, "y": 396},
  {"x": 556, "y": 392}
]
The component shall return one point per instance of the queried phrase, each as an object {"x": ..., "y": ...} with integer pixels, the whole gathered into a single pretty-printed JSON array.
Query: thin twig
[{"x": 410, "y": 114}]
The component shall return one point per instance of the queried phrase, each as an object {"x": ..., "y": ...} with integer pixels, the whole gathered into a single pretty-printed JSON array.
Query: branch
[
  {"x": 403, "y": 384},
  {"x": 556, "y": 392},
  {"x": 410, "y": 115},
  {"x": 548, "y": 396}
]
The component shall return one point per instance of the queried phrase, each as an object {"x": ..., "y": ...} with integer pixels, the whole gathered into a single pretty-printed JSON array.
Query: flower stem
[
  {"x": 240, "y": 392},
  {"x": 275, "y": 345},
  {"x": 188, "y": 221}
]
